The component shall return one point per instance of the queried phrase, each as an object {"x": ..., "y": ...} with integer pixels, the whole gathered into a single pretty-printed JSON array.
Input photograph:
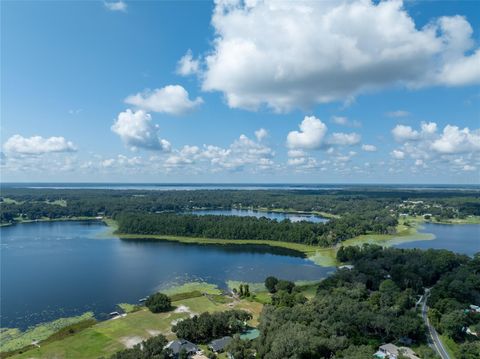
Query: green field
[{"x": 107, "y": 337}]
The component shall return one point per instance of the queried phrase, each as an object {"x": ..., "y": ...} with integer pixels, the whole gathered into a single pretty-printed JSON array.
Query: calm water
[
  {"x": 58, "y": 269},
  {"x": 294, "y": 217},
  {"x": 239, "y": 186},
  {"x": 464, "y": 238}
]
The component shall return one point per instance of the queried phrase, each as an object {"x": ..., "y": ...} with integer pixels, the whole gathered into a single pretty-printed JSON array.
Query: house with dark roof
[
  {"x": 178, "y": 346},
  {"x": 218, "y": 345}
]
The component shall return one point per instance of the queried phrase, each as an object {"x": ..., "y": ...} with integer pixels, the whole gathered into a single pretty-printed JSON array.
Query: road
[{"x": 434, "y": 338}]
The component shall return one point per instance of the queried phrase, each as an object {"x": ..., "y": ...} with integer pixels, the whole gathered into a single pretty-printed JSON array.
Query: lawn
[{"x": 107, "y": 337}]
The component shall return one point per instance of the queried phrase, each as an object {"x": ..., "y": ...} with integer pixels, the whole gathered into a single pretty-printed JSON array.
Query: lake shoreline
[{"x": 322, "y": 256}]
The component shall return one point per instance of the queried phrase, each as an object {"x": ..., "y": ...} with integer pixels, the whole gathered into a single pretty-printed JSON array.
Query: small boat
[
  {"x": 141, "y": 300},
  {"x": 114, "y": 314}
]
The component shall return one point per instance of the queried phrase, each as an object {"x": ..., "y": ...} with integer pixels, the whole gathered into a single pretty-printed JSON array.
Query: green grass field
[{"x": 105, "y": 338}]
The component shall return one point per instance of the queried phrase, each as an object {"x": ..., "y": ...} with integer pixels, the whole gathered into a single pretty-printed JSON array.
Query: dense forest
[
  {"x": 357, "y": 310},
  {"x": 231, "y": 227}
]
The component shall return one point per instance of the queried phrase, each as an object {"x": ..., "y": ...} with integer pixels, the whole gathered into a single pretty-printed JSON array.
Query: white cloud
[
  {"x": 171, "y": 99},
  {"x": 187, "y": 65},
  {"x": 398, "y": 155},
  {"x": 296, "y": 153},
  {"x": 340, "y": 120},
  {"x": 402, "y": 133},
  {"x": 344, "y": 139},
  {"x": 344, "y": 121},
  {"x": 369, "y": 148},
  {"x": 37, "y": 145},
  {"x": 398, "y": 113},
  {"x": 116, "y": 5},
  {"x": 456, "y": 140},
  {"x": 296, "y": 161},
  {"x": 454, "y": 148},
  {"x": 186, "y": 156},
  {"x": 243, "y": 153},
  {"x": 297, "y": 54},
  {"x": 261, "y": 133},
  {"x": 311, "y": 134},
  {"x": 136, "y": 130},
  {"x": 469, "y": 168}
]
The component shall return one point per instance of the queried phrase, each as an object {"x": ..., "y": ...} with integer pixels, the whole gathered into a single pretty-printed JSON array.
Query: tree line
[
  {"x": 37, "y": 203},
  {"x": 232, "y": 227}
]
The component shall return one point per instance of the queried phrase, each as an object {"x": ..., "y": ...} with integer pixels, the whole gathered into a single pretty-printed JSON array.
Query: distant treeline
[
  {"x": 37, "y": 203},
  {"x": 231, "y": 227}
]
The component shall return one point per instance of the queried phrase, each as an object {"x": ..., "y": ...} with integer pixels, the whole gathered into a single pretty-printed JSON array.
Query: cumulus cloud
[
  {"x": 369, "y": 148},
  {"x": 37, "y": 145},
  {"x": 344, "y": 139},
  {"x": 171, "y": 99},
  {"x": 397, "y": 154},
  {"x": 456, "y": 140},
  {"x": 136, "y": 130},
  {"x": 116, "y": 5},
  {"x": 243, "y": 153},
  {"x": 187, "y": 65},
  {"x": 311, "y": 134},
  {"x": 402, "y": 133},
  {"x": 453, "y": 147},
  {"x": 261, "y": 133},
  {"x": 297, "y": 54}
]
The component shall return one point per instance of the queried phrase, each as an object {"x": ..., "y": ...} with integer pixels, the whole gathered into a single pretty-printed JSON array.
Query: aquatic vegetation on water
[{"x": 13, "y": 338}]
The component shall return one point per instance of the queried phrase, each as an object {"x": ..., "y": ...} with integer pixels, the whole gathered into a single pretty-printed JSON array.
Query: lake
[
  {"x": 461, "y": 238},
  {"x": 60, "y": 269},
  {"x": 279, "y": 216}
]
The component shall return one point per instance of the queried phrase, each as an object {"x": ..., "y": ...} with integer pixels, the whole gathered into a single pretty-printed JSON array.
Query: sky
[{"x": 240, "y": 91}]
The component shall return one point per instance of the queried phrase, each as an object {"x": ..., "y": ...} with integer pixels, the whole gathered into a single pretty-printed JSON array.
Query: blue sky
[{"x": 382, "y": 92}]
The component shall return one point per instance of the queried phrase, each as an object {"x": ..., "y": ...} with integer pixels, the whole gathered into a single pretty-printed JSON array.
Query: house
[
  {"x": 391, "y": 351},
  {"x": 180, "y": 345},
  {"x": 474, "y": 308},
  {"x": 471, "y": 332},
  {"x": 218, "y": 345}
]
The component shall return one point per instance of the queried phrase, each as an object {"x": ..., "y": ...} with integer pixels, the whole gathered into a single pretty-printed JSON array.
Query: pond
[
  {"x": 461, "y": 238},
  {"x": 60, "y": 269},
  {"x": 279, "y": 216}
]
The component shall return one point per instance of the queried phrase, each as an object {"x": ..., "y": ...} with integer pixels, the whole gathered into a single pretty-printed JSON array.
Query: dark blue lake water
[
  {"x": 279, "y": 216},
  {"x": 462, "y": 238},
  {"x": 59, "y": 269}
]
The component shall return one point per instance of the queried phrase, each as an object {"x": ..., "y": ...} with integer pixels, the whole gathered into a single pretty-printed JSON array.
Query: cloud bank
[{"x": 287, "y": 55}]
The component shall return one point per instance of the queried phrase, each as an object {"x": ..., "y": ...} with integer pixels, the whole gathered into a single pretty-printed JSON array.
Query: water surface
[
  {"x": 279, "y": 216},
  {"x": 59, "y": 269},
  {"x": 459, "y": 238}
]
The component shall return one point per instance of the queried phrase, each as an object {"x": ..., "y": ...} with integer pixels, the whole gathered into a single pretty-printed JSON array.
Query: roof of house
[
  {"x": 389, "y": 348},
  {"x": 178, "y": 345},
  {"x": 392, "y": 349},
  {"x": 220, "y": 344}
]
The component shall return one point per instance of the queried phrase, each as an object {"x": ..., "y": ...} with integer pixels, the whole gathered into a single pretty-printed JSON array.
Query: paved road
[{"x": 434, "y": 338}]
